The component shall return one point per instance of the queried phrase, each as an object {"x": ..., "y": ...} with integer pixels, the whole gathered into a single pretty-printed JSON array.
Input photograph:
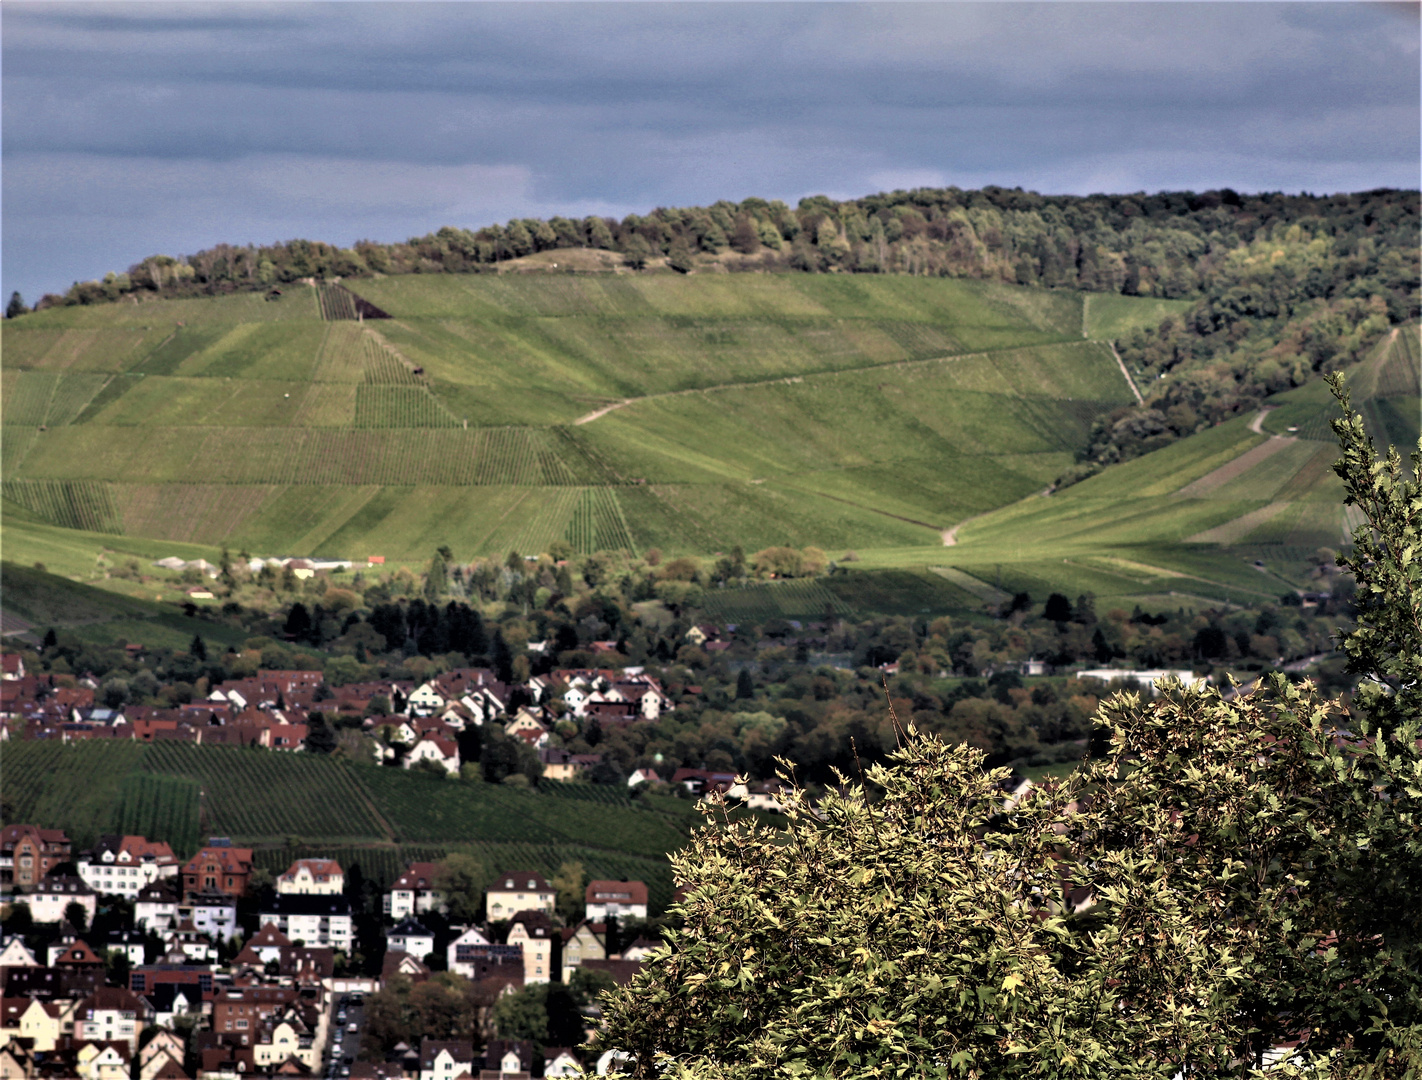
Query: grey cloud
[{"x": 633, "y": 105}]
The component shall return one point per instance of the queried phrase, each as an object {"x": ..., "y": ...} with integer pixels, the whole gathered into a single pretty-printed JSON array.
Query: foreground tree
[{"x": 1232, "y": 889}]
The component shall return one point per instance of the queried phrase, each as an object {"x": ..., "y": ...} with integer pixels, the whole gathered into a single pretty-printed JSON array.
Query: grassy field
[
  {"x": 859, "y": 413},
  {"x": 752, "y": 409},
  {"x": 379, "y": 817}
]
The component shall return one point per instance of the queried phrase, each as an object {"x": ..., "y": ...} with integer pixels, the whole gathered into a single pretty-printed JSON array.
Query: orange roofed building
[{"x": 218, "y": 867}]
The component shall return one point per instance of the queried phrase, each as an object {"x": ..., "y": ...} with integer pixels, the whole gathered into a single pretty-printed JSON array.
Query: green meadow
[
  {"x": 509, "y": 412},
  {"x": 742, "y": 409}
]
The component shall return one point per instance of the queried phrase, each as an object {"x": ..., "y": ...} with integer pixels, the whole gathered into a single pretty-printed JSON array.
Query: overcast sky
[{"x": 135, "y": 128}]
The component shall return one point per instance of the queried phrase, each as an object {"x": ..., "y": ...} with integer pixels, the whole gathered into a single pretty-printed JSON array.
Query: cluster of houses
[
  {"x": 414, "y": 722},
  {"x": 151, "y": 999}
]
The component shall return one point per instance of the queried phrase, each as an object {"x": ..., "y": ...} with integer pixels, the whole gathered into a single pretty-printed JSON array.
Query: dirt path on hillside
[
  {"x": 1122, "y": 365},
  {"x": 590, "y": 417},
  {"x": 603, "y": 410},
  {"x": 1240, "y": 465}
]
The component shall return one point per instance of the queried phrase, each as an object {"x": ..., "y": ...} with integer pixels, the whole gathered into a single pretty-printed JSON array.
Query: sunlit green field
[
  {"x": 867, "y": 414},
  {"x": 747, "y": 409}
]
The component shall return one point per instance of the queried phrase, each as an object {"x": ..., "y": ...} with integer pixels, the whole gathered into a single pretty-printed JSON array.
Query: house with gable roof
[
  {"x": 414, "y": 892},
  {"x": 532, "y": 931},
  {"x": 112, "y": 1014},
  {"x": 123, "y": 865},
  {"x": 39, "y": 1022},
  {"x": 102, "y": 1060},
  {"x": 312, "y": 877},
  {"x": 443, "y": 752},
  {"x": 263, "y": 947},
  {"x": 619, "y": 899},
  {"x": 507, "y": 1059},
  {"x": 446, "y": 1059},
  {"x": 523, "y": 890}
]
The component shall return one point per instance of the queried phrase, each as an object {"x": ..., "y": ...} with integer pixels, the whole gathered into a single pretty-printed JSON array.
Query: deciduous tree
[{"x": 1233, "y": 881}]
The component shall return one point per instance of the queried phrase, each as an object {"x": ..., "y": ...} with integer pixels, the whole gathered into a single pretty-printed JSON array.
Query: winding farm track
[{"x": 603, "y": 410}]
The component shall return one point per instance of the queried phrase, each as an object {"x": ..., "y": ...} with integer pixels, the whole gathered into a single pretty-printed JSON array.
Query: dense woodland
[
  {"x": 818, "y": 693},
  {"x": 1286, "y": 285}
]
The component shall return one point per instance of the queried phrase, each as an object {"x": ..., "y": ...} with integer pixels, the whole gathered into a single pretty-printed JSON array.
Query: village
[
  {"x": 407, "y": 725},
  {"x": 125, "y": 962}
]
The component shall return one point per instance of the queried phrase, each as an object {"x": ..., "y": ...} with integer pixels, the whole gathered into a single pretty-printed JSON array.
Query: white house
[
  {"x": 54, "y": 894},
  {"x": 443, "y": 752},
  {"x": 313, "y": 920},
  {"x": 425, "y": 699},
  {"x": 111, "y": 1014},
  {"x": 446, "y": 1059},
  {"x": 312, "y": 877},
  {"x": 212, "y": 913},
  {"x": 156, "y": 908},
  {"x": 408, "y": 935},
  {"x": 620, "y": 899},
  {"x": 1144, "y": 679},
  {"x": 17, "y": 954},
  {"x": 124, "y": 865},
  {"x": 414, "y": 892},
  {"x": 458, "y": 955},
  {"x": 560, "y": 1062}
]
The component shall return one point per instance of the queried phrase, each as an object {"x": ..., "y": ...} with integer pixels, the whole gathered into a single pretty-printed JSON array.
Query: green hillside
[
  {"x": 741, "y": 409},
  {"x": 1227, "y": 514},
  {"x": 282, "y": 803}
]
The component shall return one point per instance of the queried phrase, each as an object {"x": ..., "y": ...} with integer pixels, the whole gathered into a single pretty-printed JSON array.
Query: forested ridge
[{"x": 1285, "y": 285}]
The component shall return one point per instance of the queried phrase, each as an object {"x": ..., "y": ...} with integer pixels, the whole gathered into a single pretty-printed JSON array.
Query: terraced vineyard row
[
  {"x": 48, "y": 398},
  {"x": 74, "y": 504},
  {"x": 385, "y": 406},
  {"x": 160, "y": 806},
  {"x": 383, "y": 366},
  {"x": 27, "y": 396},
  {"x": 341, "y": 357},
  {"x": 598, "y": 523},
  {"x": 251, "y": 455},
  {"x": 540, "y": 521},
  {"x": 202, "y": 513},
  {"x": 15, "y": 443},
  {"x": 336, "y": 302},
  {"x": 70, "y": 786},
  {"x": 255, "y": 793}
]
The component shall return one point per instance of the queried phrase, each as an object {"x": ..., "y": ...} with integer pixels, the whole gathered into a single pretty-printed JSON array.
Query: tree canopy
[{"x": 1229, "y": 889}]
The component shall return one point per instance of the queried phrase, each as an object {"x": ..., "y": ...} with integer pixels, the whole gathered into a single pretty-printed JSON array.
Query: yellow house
[
  {"x": 286, "y": 1042},
  {"x": 587, "y": 942},
  {"x": 534, "y": 935},
  {"x": 522, "y": 890},
  {"x": 95, "y": 1062},
  {"x": 38, "y": 1020}
]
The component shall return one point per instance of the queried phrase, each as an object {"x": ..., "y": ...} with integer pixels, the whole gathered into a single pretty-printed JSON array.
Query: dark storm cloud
[{"x": 130, "y": 128}]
